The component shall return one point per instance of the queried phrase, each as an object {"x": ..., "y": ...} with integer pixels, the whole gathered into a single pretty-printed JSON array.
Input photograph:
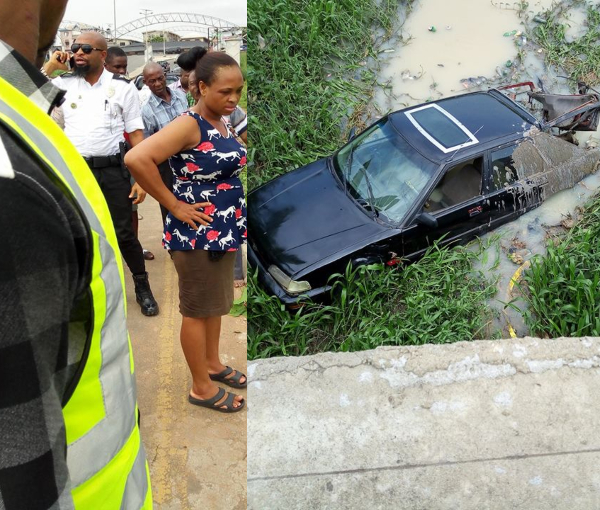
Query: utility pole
[
  {"x": 145, "y": 12},
  {"x": 115, "y": 20}
]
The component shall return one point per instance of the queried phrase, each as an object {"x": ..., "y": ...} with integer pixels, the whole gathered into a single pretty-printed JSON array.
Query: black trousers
[
  {"x": 167, "y": 177},
  {"x": 115, "y": 185}
]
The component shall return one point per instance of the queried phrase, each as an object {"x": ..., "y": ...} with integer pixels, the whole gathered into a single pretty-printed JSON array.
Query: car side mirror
[
  {"x": 427, "y": 220},
  {"x": 352, "y": 134}
]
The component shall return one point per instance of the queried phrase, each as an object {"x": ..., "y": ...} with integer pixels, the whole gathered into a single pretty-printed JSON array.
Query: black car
[
  {"x": 171, "y": 78},
  {"x": 457, "y": 167},
  {"x": 139, "y": 82},
  {"x": 165, "y": 65},
  {"x": 174, "y": 51}
]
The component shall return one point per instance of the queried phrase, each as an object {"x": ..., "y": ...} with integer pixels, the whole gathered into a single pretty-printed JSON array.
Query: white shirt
[
  {"x": 144, "y": 94},
  {"x": 95, "y": 116}
]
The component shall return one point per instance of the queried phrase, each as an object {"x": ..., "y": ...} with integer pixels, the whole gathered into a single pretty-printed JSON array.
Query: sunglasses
[{"x": 86, "y": 48}]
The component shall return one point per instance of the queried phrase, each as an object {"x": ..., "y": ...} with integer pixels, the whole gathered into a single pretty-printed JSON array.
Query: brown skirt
[{"x": 205, "y": 286}]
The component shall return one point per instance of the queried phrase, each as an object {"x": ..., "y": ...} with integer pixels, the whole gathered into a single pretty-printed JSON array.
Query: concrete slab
[
  {"x": 502, "y": 424},
  {"x": 197, "y": 457}
]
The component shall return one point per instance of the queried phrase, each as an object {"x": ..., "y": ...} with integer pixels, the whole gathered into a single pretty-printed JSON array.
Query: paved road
[{"x": 197, "y": 456}]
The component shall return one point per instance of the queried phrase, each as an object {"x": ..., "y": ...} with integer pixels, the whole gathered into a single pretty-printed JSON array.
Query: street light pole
[
  {"x": 115, "y": 20},
  {"x": 145, "y": 12}
]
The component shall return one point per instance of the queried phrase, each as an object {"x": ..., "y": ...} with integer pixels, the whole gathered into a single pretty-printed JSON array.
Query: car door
[
  {"x": 458, "y": 205},
  {"x": 509, "y": 196}
]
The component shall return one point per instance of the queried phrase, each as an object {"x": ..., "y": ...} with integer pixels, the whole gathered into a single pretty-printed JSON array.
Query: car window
[
  {"x": 504, "y": 171},
  {"x": 460, "y": 183},
  {"x": 383, "y": 172},
  {"x": 509, "y": 164}
]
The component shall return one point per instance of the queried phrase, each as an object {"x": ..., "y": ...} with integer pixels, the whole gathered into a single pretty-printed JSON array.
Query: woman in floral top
[{"x": 206, "y": 224}]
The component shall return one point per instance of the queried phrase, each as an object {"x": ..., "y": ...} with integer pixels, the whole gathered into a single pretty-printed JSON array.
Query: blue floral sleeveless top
[{"x": 209, "y": 173}]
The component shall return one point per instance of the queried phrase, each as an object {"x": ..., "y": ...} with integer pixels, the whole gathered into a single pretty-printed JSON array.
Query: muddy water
[
  {"x": 448, "y": 48},
  {"x": 523, "y": 238},
  {"x": 447, "y": 43}
]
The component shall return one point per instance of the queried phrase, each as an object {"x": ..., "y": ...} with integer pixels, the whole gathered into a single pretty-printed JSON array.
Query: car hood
[{"x": 304, "y": 217}]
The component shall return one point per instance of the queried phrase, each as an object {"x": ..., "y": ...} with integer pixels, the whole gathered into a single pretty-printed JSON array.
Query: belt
[{"x": 103, "y": 161}]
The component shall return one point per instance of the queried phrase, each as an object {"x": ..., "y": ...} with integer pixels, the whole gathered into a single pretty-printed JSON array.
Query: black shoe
[{"x": 143, "y": 295}]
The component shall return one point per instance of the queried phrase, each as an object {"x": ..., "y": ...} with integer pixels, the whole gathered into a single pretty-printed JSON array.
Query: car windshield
[{"x": 383, "y": 172}]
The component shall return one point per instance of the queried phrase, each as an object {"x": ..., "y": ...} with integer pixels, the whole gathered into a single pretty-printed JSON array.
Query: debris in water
[
  {"x": 508, "y": 63},
  {"x": 405, "y": 75},
  {"x": 473, "y": 82},
  {"x": 519, "y": 257},
  {"x": 539, "y": 19},
  {"x": 568, "y": 223},
  {"x": 448, "y": 27},
  {"x": 440, "y": 65},
  {"x": 510, "y": 34},
  {"x": 389, "y": 50},
  {"x": 431, "y": 28}
]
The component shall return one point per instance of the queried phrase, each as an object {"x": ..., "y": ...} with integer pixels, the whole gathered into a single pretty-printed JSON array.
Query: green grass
[
  {"x": 244, "y": 65},
  {"x": 439, "y": 299},
  {"x": 306, "y": 76},
  {"x": 579, "y": 57},
  {"x": 562, "y": 288}
]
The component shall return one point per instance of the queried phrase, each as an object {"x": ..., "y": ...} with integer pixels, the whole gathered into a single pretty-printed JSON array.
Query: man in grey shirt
[{"x": 161, "y": 108}]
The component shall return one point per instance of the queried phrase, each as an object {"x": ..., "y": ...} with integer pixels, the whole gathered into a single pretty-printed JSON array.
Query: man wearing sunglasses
[{"x": 99, "y": 107}]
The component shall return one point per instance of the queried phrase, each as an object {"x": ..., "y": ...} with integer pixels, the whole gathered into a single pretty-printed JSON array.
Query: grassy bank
[
  {"x": 439, "y": 299},
  {"x": 578, "y": 54},
  {"x": 307, "y": 74},
  {"x": 562, "y": 288}
]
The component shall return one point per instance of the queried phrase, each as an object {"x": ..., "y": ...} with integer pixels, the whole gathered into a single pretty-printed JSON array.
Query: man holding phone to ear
[
  {"x": 99, "y": 107},
  {"x": 57, "y": 64}
]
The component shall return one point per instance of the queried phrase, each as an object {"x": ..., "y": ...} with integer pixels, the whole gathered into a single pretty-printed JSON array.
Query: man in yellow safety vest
[{"x": 69, "y": 436}]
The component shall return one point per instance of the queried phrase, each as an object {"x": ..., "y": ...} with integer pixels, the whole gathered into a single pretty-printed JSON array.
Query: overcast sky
[{"x": 100, "y": 12}]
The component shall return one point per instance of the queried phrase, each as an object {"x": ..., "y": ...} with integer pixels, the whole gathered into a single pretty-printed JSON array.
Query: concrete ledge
[{"x": 486, "y": 424}]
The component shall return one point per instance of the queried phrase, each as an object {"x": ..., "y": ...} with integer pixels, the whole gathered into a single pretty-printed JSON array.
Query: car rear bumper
[{"x": 272, "y": 287}]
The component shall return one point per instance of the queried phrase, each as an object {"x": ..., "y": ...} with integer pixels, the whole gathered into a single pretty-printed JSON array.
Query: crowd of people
[{"x": 77, "y": 154}]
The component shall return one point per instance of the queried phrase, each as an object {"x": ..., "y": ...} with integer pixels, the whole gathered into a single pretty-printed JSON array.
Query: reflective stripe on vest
[{"x": 106, "y": 459}]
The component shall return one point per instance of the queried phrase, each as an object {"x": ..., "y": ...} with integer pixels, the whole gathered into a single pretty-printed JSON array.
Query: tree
[{"x": 156, "y": 38}]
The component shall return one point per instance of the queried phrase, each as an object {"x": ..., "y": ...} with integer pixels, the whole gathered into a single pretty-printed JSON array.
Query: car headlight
[{"x": 289, "y": 285}]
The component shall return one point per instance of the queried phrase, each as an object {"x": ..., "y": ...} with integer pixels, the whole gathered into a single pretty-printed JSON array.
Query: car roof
[{"x": 459, "y": 125}]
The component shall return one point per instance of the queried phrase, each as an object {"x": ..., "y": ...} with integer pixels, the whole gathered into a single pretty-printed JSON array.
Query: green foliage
[
  {"x": 244, "y": 66},
  {"x": 439, "y": 299},
  {"x": 579, "y": 56},
  {"x": 562, "y": 288},
  {"x": 306, "y": 76},
  {"x": 240, "y": 305}
]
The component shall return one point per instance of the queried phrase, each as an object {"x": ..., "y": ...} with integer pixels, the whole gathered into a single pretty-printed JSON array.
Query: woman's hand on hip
[{"x": 190, "y": 214}]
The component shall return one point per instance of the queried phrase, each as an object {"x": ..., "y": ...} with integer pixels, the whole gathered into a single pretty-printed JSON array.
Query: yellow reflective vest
[{"x": 105, "y": 456}]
